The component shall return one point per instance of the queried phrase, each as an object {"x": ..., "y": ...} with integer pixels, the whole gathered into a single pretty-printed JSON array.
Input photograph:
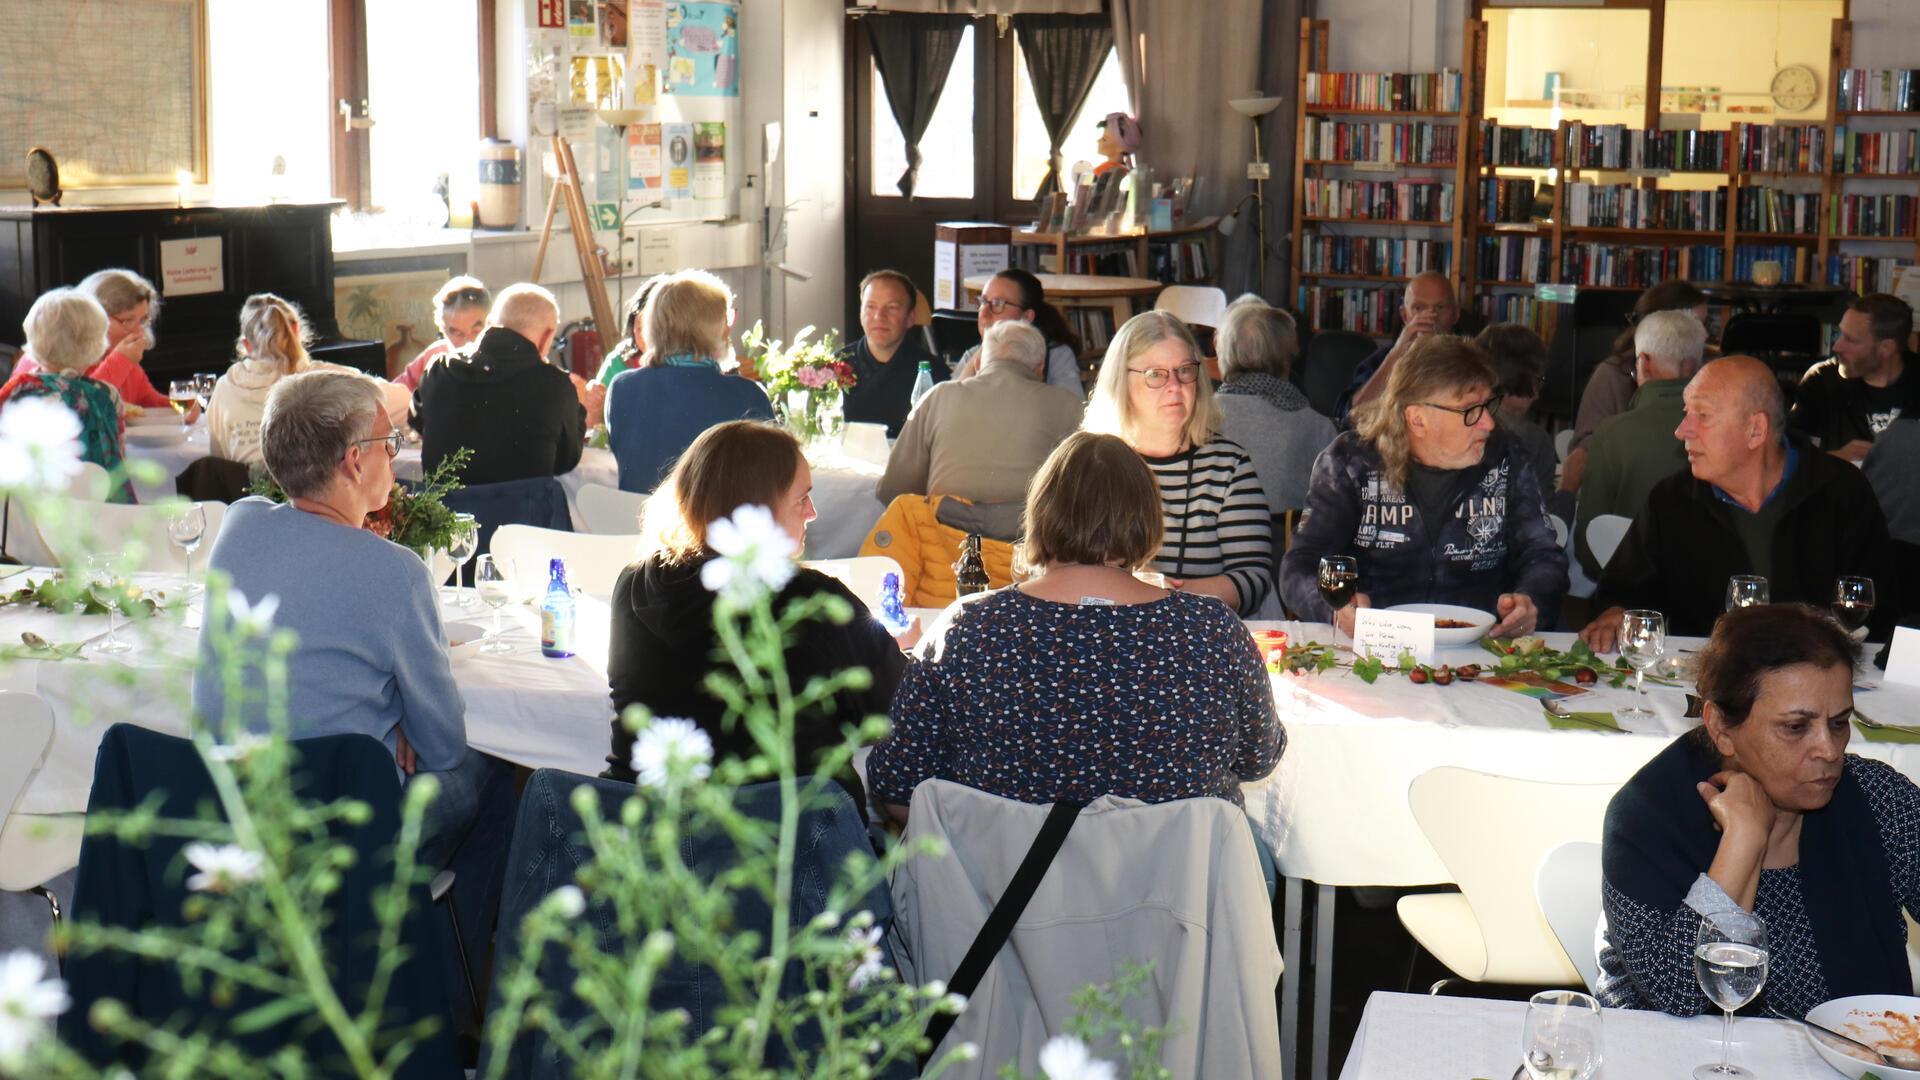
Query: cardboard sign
[
  {"x": 1386, "y": 634},
  {"x": 1903, "y": 659},
  {"x": 191, "y": 266}
]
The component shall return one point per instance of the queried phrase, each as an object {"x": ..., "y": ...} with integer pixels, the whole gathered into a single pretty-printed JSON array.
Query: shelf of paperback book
[{"x": 1376, "y": 221}]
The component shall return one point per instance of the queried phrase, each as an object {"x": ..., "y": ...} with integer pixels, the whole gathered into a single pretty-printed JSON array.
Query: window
[
  {"x": 268, "y": 99},
  {"x": 424, "y": 96},
  {"x": 1109, "y": 95},
  {"x": 946, "y": 151}
]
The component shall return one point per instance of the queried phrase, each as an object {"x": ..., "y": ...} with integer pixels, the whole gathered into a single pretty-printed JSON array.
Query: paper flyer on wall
[
  {"x": 646, "y": 48},
  {"x": 593, "y": 82},
  {"x": 703, "y": 50},
  {"x": 710, "y": 160},
  {"x": 543, "y": 83},
  {"x": 644, "y": 186},
  {"x": 613, "y": 24},
  {"x": 580, "y": 21},
  {"x": 678, "y": 140}
]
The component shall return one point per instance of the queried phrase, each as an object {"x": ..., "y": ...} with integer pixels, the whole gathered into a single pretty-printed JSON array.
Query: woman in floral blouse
[{"x": 66, "y": 332}]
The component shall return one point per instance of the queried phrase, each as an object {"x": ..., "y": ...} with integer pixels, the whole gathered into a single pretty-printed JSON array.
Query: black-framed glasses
[
  {"x": 465, "y": 297},
  {"x": 997, "y": 305},
  {"x": 1156, "y": 377},
  {"x": 1469, "y": 414},
  {"x": 391, "y": 438}
]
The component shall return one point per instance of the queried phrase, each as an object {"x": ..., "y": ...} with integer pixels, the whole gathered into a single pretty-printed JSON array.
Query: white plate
[
  {"x": 463, "y": 639},
  {"x": 1853, "y": 1016},
  {"x": 155, "y": 418},
  {"x": 155, "y": 435},
  {"x": 1481, "y": 621}
]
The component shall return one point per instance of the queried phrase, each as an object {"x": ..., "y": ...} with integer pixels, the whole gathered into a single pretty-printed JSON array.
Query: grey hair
[
  {"x": 1674, "y": 340},
  {"x": 1013, "y": 341},
  {"x": 66, "y": 330},
  {"x": 310, "y": 420},
  {"x": 1255, "y": 338},
  {"x": 523, "y": 307},
  {"x": 122, "y": 290}
]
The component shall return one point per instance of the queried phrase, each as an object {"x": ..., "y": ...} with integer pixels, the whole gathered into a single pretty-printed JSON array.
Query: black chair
[
  {"x": 214, "y": 479},
  {"x": 951, "y": 334},
  {"x": 540, "y": 501},
  {"x": 1328, "y": 367},
  {"x": 1787, "y": 342}
]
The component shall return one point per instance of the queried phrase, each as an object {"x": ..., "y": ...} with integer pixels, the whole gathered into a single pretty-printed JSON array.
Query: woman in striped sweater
[{"x": 1153, "y": 393}]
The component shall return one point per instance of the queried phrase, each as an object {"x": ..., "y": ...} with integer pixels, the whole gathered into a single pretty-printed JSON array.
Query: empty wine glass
[
  {"x": 205, "y": 383},
  {"x": 1730, "y": 960},
  {"x": 103, "y": 582},
  {"x": 460, "y": 549},
  {"x": 1852, "y": 601},
  {"x": 1643, "y": 637},
  {"x": 186, "y": 530},
  {"x": 182, "y": 394},
  {"x": 1339, "y": 580},
  {"x": 1747, "y": 590},
  {"x": 495, "y": 590},
  {"x": 1561, "y": 1039}
]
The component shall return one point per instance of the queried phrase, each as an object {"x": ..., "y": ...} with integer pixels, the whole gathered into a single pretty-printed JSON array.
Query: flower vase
[{"x": 817, "y": 416}]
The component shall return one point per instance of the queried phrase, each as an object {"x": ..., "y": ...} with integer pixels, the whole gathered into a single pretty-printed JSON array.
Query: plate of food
[
  {"x": 1453, "y": 624},
  {"x": 463, "y": 640},
  {"x": 1889, "y": 1023},
  {"x": 155, "y": 434}
]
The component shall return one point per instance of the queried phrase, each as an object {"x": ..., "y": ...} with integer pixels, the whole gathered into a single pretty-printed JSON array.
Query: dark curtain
[
  {"x": 913, "y": 54},
  {"x": 1064, "y": 54}
]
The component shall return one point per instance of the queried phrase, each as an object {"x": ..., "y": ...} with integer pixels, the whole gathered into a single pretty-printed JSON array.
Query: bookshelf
[{"x": 1188, "y": 255}]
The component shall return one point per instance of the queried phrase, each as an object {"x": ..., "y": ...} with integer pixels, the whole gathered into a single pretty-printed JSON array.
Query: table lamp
[{"x": 1253, "y": 107}]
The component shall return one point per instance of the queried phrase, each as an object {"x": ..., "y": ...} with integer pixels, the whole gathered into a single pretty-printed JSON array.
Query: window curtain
[
  {"x": 1064, "y": 54},
  {"x": 914, "y": 53}
]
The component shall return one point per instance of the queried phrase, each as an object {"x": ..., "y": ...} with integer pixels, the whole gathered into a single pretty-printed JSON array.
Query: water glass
[
  {"x": 103, "y": 580},
  {"x": 1852, "y": 601},
  {"x": 186, "y": 530},
  {"x": 495, "y": 591},
  {"x": 1643, "y": 638},
  {"x": 1561, "y": 1040},
  {"x": 460, "y": 548},
  {"x": 1747, "y": 590},
  {"x": 1730, "y": 960}
]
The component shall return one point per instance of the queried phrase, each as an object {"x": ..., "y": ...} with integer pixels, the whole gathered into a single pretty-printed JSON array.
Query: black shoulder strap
[{"x": 999, "y": 925}]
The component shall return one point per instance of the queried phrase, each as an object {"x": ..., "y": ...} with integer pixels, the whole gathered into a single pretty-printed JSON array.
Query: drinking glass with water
[
  {"x": 1730, "y": 960},
  {"x": 1561, "y": 1040}
]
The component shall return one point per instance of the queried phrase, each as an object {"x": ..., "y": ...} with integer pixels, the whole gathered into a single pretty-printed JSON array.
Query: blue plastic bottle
[{"x": 556, "y": 614}]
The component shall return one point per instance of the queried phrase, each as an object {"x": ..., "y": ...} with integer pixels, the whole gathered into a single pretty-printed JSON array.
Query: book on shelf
[
  {"x": 1518, "y": 307},
  {"x": 1374, "y": 256},
  {"x": 1617, "y": 146},
  {"x": 1180, "y": 261},
  {"x": 1796, "y": 263},
  {"x": 1365, "y": 310},
  {"x": 1371, "y": 142},
  {"x": 1108, "y": 260},
  {"x": 1379, "y": 200},
  {"x": 1864, "y": 275},
  {"x": 1525, "y": 147},
  {"x": 1879, "y": 90},
  {"x": 1506, "y": 200},
  {"x": 1093, "y": 325},
  {"x": 1621, "y": 206},
  {"x": 1864, "y": 153},
  {"x": 1513, "y": 258},
  {"x": 1891, "y": 216},
  {"x": 1772, "y": 210},
  {"x": 1783, "y": 148},
  {"x": 1387, "y": 91},
  {"x": 1640, "y": 266}
]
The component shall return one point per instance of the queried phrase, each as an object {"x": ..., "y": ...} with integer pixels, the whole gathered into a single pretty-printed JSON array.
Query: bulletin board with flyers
[{"x": 669, "y": 74}]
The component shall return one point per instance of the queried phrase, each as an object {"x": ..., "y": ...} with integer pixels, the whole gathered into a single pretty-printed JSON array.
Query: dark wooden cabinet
[{"x": 282, "y": 248}]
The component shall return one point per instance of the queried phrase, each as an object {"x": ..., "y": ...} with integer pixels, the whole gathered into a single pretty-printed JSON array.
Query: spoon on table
[{"x": 1845, "y": 1044}]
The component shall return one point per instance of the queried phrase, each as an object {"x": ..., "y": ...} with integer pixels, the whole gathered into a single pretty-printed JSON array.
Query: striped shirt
[{"x": 1216, "y": 520}]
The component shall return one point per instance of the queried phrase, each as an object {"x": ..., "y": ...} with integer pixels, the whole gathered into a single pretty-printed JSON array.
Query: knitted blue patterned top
[{"x": 1039, "y": 701}]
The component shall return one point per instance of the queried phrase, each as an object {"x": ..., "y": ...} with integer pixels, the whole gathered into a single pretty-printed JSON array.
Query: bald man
[
  {"x": 518, "y": 414},
  {"x": 1427, "y": 307},
  {"x": 1752, "y": 500}
]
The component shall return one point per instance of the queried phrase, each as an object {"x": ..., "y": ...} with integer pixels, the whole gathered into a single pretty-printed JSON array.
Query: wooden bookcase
[{"x": 1140, "y": 247}]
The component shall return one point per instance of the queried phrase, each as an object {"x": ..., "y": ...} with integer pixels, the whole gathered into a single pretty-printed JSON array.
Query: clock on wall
[{"x": 1795, "y": 88}]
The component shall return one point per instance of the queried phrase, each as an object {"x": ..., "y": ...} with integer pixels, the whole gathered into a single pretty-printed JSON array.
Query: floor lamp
[{"x": 1253, "y": 108}]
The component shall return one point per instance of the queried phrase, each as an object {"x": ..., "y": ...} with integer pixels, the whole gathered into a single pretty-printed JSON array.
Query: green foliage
[
  {"x": 416, "y": 515},
  {"x": 1102, "y": 1023}
]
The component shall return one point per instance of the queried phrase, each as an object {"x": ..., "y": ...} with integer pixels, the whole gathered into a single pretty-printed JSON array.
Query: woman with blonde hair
[
  {"x": 131, "y": 304},
  {"x": 67, "y": 330},
  {"x": 662, "y": 642},
  {"x": 1154, "y": 394},
  {"x": 460, "y": 310},
  {"x": 1435, "y": 500},
  {"x": 683, "y": 385}
]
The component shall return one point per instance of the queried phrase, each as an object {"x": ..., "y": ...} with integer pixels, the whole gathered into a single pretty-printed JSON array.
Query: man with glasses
[
  {"x": 1427, "y": 308},
  {"x": 1434, "y": 500},
  {"x": 889, "y": 354}
]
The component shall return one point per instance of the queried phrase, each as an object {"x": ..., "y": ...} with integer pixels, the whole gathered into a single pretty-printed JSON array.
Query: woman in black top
[{"x": 663, "y": 643}]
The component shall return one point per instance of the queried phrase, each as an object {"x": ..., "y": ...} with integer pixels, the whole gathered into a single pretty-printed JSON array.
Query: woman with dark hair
[
  {"x": 1015, "y": 294},
  {"x": 1761, "y": 809},
  {"x": 1611, "y": 387},
  {"x": 626, "y": 355},
  {"x": 460, "y": 312}
]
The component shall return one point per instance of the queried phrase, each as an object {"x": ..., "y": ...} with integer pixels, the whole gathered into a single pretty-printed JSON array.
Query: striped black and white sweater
[{"x": 1216, "y": 520}]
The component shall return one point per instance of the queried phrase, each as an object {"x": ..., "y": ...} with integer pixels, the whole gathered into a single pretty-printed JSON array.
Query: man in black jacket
[
  {"x": 518, "y": 414},
  {"x": 1752, "y": 501},
  {"x": 1846, "y": 401}
]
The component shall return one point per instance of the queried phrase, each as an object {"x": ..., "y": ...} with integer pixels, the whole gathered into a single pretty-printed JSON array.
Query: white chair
[
  {"x": 34, "y": 849},
  {"x": 861, "y": 575},
  {"x": 593, "y": 561},
  {"x": 1563, "y": 443},
  {"x": 1604, "y": 534},
  {"x": 1196, "y": 305},
  {"x": 609, "y": 510},
  {"x": 1567, "y": 887},
  {"x": 1491, "y": 832},
  {"x": 137, "y": 534},
  {"x": 1559, "y": 531}
]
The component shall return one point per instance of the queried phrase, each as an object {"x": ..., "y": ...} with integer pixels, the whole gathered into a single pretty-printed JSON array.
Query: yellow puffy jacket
[{"x": 926, "y": 550}]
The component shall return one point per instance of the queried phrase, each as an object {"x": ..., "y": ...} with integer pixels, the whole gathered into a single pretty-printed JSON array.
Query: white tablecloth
[
  {"x": 843, "y": 496},
  {"x": 1414, "y": 1037}
]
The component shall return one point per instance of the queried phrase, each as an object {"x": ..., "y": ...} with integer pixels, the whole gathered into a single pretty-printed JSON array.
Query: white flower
[
  {"x": 239, "y": 749},
  {"x": 39, "y": 444},
  {"x": 222, "y": 867},
  {"x": 870, "y": 963},
  {"x": 666, "y": 742},
  {"x": 1067, "y": 1058},
  {"x": 568, "y": 901},
  {"x": 27, "y": 1001},
  {"x": 252, "y": 618},
  {"x": 755, "y": 554}
]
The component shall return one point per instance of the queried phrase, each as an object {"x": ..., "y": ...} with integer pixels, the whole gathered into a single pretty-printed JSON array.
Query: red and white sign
[
  {"x": 191, "y": 266},
  {"x": 553, "y": 14}
]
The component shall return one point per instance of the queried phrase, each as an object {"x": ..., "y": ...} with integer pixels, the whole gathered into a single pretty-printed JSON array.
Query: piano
[{"x": 282, "y": 248}]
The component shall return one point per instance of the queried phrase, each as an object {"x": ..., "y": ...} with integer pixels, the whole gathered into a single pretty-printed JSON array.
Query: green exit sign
[{"x": 1555, "y": 294}]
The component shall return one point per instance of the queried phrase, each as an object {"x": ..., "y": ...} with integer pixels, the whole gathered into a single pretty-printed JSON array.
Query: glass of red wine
[
  {"x": 1339, "y": 580},
  {"x": 1852, "y": 601}
]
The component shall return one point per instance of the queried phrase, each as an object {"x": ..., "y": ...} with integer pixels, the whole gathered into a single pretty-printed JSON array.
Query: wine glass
[
  {"x": 1747, "y": 590},
  {"x": 495, "y": 591},
  {"x": 1730, "y": 960},
  {"x": 460, "y": 548},
  {"x": 1339, "y": 580},
  {"x": 205, "y": 383},
  {"x": 186, "y": 530},
  {"x": 182, "y": 393},
  {"x": 1561, "y": 1039},
  {"x": 1852, "y": 601},
  {"x": 1643, "y": 637},
  {"x": 104, "y": 582}
]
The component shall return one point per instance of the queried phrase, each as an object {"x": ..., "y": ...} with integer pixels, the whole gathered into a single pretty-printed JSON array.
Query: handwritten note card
[
  {"x": 1387, "y": 634},
  {"x": 1903, "y": 660}
]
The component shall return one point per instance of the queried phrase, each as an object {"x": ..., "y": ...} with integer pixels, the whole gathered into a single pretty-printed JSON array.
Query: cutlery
[
  {"x": 1559, "y": 711},
  {"x": 1868, "y": 721},
  {"x": 1844, "y": 1043}
]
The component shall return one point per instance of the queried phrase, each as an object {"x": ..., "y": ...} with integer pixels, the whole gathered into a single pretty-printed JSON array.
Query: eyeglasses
[
  {"x": 1156, "y": 377},
  {"x": 997, "y": 305},
  {"x": 1470, "y": 414},
  {"x": 464, "y": 297},
  {"x": 391, "y": 438},
  {"x": 129, "y": 321}
]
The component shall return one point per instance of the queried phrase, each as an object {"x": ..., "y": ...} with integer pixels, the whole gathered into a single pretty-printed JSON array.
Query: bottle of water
[
  {"x": 922, "y": 383},
  {"x": 556, "y": 614}
]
